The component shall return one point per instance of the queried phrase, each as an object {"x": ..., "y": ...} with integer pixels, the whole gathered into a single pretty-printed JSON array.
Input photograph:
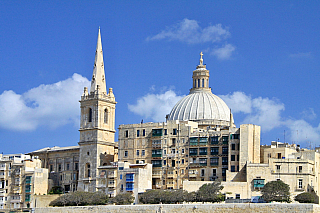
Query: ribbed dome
[{"x": 200, "y": 105}]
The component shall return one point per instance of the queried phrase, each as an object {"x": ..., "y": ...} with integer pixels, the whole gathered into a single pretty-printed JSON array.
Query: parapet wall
[{"x": 177, "y": 208}]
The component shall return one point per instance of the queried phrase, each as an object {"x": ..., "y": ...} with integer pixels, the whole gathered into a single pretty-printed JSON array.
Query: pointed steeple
[{"x": 98, "y": 82}]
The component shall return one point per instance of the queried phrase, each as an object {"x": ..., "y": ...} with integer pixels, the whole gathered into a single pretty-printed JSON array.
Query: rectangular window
[
  {"x": 278, "y": 168},
  {"x": 224, "y": 150},
  {"x": 76, "y": 166},
  {"x": 237, "y": 157},
  {"x": 126, "y": 133},
  {"x": 156, "y": 132},
  {"x": 193, "y": 151},
  {"x": 130, "y": 177},
  {"x": 237, "y": 196},
  {"x": 193, "y": 141},
  {"x": 164, "y": 162},
  {"x": 138, "y": 133},
  {"x": 214, "y": 139},
  {"x": 59, "y": 167},
  {"x": 235, "y": 136},
  {"x": 138, "y": 152},
  {"x": 214, "y": 150},
  {"x": 203, "y": 141},
  {"x": 156, "y": 163},
  {"x": 214, "y": 161},
  {"x": 203, "y": 161},
  {"x": 233, "y": 168},
  {"x": 202, "y": 172},
  {"x": 67, "y": 166},
  {"x": 182, "y": 161},
  {"x": 225, "y": 139},
  {"x": 300, "y": 184},
  {"x": 157, "y": 153},
  {"x": 300, "y": 169},
  {"x": 174, "y": 131},
  {"x": 214, "y": 172},
  {"x": 164, "y": 152},
  {"x": 182, "y": 151},
  {"x": 120, "y": 176},
  {"x": 224, "y": 160},
  {"x": 143, "y": 132},
  {"x": 125, "y": 153},
  {"x": 143, "y": 152},
  {"x": 233, "y": 158},
  {"x": 129, "y": 186},
  {"x": 165, "y": 132},
  {"x": 202, "y": 151},
  {"x": 233, "y": 146}
]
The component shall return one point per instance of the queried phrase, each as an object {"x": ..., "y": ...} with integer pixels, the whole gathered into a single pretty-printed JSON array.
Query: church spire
[{"x": 98, "y": 82}]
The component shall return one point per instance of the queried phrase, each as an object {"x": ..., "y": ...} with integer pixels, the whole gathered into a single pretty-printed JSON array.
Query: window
[
  {"x": 143, "y": 152},
  {"x": 214, "y": 150},
  {"x": 51, "y": 168},
  {"x": 225, "y": 139},
  {"x": 164, "y": 152},
  {"x": 156, "y": 132},
  {"x": 203, "y": 161},
  {"x": 237, "y": 196},
  {"x": 300, "y": 169},
  {"x": 279, "y": 155},
  {"x": 174, "y": 131},
  {"x": 76, "y": 166},
  {"x": 59, "y": 167},
  {"x": 88, "y": 173},
  {"x": 214, "y": 172},
  {"x": 233, "y": 146},
  {"x": 182, "y": 151},
  {"x": 300, "y": 184},
  {"x": 105, "y": 116},
  {"x": 143, "y": 132},
  {"x": 214, "y": 140},
  {"x": 237, "y": 157},
  {"x": 120, "y": 176},
  {"x": 164, "y": 162},
  {"x": 233, "y": 157},
  {"x": 173, "y": 141},
  {"x": 126, "y": 133},
  {"x": 165, "y": 132},
  {"x": 224, "y": 160},
  {"x": 202, "y": 82},
  {"x": 193, "y": 151},
  {"x": 138, "y": 133},
  {"x": 214, "y": 161},
  {"x": 278, "y": 168},
  {"x": 67, "y": 166},
  {"x": 125, "y": 153},
  {"x": 202, "y": 172},
  {"x": 182, "y": 161},
  {"x": 224, "y": 150},
  {"x": 198, "y": 82},
  {"x": 202, "y": 151},
  {"x": 90, "y": 115},
  {"x": 138, "y": 152}
]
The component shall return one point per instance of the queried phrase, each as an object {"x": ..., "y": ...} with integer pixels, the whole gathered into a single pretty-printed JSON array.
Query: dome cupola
[{"x": 201, "y": 105}]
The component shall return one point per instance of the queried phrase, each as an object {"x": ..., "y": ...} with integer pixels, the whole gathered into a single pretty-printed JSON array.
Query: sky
[{"x": 263, "y": 58}]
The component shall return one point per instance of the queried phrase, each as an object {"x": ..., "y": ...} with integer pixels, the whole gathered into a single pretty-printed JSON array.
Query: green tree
[
  {"x": 306, "y": 197},
  {"x": 210, "y": 192},
  {"x": 80, "y": 198},
  {"x": 276, "y": 191},
  {"x": 123, "y": 199}
]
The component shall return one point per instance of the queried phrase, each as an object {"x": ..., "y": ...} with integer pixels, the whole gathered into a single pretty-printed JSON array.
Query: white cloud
[
  {"x": 267, "y": 113},
  {"x": 224, "y": 52},
  {"x": 49, "y": 105},
  {"x": 260, "y": 111},
  {"x": 190, "y": 32},
  {"x": 155, "y": 106}
]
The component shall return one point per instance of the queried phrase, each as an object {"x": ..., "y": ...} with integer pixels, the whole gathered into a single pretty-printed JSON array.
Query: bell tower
[{"x": 97, "y": 125}]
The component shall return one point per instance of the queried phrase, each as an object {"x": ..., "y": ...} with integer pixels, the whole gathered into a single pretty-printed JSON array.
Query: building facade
[{"x": 21, "y": 177}]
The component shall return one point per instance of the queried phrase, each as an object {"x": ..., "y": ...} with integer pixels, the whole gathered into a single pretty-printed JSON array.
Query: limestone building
[
  {"x": 21, "y": 177},
  {"x": 76, "y": 167},
  {"x": 198, "y": 142}
]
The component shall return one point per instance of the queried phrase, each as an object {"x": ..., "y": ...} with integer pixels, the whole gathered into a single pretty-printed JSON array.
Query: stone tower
[{"x": 96, "y": 126}]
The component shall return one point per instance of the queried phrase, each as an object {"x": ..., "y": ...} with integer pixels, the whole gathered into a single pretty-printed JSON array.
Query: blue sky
[{"x": 263, "y": 58}]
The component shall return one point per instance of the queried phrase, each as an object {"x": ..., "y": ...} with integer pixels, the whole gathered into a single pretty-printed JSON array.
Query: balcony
[
  {"x": 156, "y": 155},
  {"x": 258, "y": 183},
  {"x": 2, "y": 175},
  {"x": 193, "y": 173},
  {"x": 16, "y": 199},
  {"x": 157, "y": 175},
  {"x": 300, "y": 189},
  {"x": 203, "y": 153}
]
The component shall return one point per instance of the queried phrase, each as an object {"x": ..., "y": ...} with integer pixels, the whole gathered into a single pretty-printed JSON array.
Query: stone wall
[{"x": 203, "y": 208}]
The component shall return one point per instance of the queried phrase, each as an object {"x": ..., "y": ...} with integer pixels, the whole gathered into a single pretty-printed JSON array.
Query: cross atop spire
[
  {"x": 98, "y": 81},
  {"x": 201, "y": 60}
]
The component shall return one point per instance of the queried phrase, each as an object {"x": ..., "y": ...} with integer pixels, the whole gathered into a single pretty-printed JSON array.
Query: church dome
[{"x": 201, "y": 105}]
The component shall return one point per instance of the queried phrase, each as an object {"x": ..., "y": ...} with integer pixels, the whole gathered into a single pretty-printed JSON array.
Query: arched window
[
  {"x": 90, "y": 115},
  {"x": 198, "y": 82},
  {"x": 105, "y": 116},
  {"x": 202, "y": 82},
  {"x": 195, "y": 84},
  {"x": 87, "y": 170},
  {"x": 207, "y": 83}
]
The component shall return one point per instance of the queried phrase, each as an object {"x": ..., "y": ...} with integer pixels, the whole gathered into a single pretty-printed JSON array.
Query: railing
[{"x": 156, "y": 155}]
